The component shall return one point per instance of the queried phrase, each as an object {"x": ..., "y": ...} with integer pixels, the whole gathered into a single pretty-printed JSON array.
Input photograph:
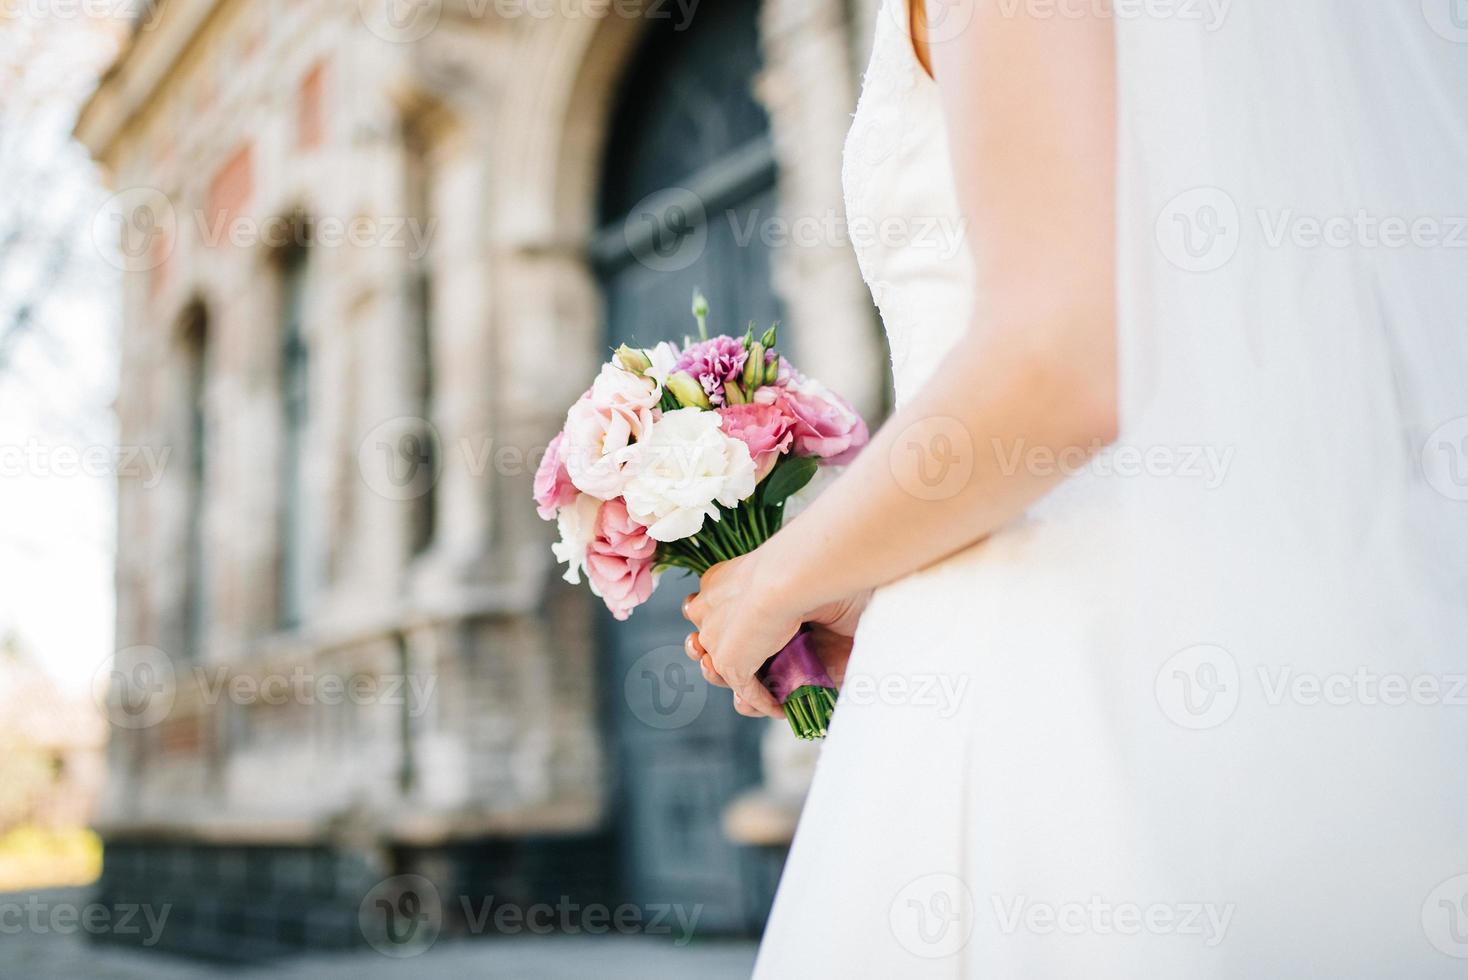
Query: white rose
[
  {"x": 681, "y": 469},
  {"x": 577, "y": 524},
  {"x": 615, "y": 412}
]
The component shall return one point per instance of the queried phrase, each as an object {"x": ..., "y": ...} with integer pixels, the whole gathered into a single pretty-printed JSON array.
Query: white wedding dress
[{"x": 1203, "y": 712}]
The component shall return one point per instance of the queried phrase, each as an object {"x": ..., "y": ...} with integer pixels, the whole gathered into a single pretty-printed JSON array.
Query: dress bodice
[{"x": 902, "y": 208}]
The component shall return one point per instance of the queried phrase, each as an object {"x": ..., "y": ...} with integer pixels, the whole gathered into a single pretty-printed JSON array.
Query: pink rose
[
  {"x": 606, "y": 420},
  {"x": 825, "y": 425},
  {"x": 553, "y": 486},
  {"x": 619, "y": 560},
  {"x": 764, "y": 428}
]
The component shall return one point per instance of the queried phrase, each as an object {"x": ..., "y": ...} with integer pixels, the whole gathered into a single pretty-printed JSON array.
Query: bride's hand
[
  {"x": 742, "y": 622},
  {"x": 832, "y": 631}
]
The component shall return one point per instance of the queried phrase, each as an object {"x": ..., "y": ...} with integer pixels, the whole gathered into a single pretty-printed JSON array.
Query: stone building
[{"x": 374, "y": 248}]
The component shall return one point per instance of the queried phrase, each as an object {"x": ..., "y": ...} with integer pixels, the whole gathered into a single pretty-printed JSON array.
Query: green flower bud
[
  {"x": 632, "y": 359},
  {"x": 772, "y": 370},
  {"x": 769, "y": 338},
  {"x": 701, "y": 314},
  {"x": 733, "y": 394},
  {"x": 754, "y": 367},
  {"x": 687, "y": 390}
]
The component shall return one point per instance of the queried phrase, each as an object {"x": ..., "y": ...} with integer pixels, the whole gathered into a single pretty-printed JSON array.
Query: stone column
[
  {"x": 808, "y": 88},
  {"x": 462, "y": 356}
]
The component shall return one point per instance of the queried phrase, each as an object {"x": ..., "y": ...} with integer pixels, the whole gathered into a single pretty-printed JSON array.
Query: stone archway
[
  {"x": 687, "y": 173},
  {"x": 557, "y": 98}
]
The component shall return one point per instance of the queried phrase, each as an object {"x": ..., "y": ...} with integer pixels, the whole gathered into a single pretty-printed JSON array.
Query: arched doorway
[{"x": 688, "y": 179}]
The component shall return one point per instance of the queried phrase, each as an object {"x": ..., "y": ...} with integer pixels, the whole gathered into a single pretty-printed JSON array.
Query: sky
[{"x": 57, "y": 371}]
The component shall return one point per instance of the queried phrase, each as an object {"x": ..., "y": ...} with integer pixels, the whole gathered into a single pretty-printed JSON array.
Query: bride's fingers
[
  {"x": 753, "y": 693},
  {"x": 693, "y": 646},
  {"x": 745, "y": 708},
  {"x": 711, "y": 675},
  {"x": 693, "y": 609}
]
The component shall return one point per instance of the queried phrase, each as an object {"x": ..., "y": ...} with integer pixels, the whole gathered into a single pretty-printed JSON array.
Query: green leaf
[{"x": 790, "y": 475}]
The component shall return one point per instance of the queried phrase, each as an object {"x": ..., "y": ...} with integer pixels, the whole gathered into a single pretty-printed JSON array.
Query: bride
[{"x": 1172, "y": 513}]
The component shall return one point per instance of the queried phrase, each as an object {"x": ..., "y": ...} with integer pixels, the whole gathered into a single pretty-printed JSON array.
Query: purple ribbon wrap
[{"x": 794, "y": 667}]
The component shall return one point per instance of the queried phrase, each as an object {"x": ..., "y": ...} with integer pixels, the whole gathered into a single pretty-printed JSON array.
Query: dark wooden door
[{"x": 688, "y": 194}]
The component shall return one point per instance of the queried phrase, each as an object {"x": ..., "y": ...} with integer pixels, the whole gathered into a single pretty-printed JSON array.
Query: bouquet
[{"x": 684, "y": 457}]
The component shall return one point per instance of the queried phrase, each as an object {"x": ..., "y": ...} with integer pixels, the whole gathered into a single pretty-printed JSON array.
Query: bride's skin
[{"x": 1031, "y": 118}]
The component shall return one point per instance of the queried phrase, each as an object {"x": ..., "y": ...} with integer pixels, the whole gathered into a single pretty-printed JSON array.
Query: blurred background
[{"x": 293, "y": 293}]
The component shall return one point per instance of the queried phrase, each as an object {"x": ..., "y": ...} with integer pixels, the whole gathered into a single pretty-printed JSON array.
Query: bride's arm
[{"x": 1030, "y": 107}]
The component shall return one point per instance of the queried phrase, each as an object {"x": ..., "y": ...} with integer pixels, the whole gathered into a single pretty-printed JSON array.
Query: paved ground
[{"x": 31, "y": 953}]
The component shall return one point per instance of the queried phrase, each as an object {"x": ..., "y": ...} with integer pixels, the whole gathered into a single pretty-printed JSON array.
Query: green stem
[
  {"x": 792, "y": 712},
  {"x": 746, "y": 515},
  {"x": 715, "y": 540},
  {"x": 736, "y": 530},
  {"x": 684, "y": 556},
  {"x": 711, "y": 543},
  {"x": 809, "y": 710},
  {"x": 709, "y": 539},
  {"x": 729, "y": 535},
  {"x": 708, "y": 543}
]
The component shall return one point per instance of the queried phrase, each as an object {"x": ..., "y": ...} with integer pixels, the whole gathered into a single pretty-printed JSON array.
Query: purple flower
[{"x": 713, "y": 362}]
